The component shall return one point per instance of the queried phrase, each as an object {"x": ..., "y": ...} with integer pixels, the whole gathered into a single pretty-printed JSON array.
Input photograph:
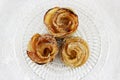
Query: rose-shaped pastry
[
  {"x": 61, "y": 22},
  {"x": 42, "y": 48},
  {"x": 74, "y": 51}
]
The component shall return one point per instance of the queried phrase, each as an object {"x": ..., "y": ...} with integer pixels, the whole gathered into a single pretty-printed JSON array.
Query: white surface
[{"x": 10, "y": 70}]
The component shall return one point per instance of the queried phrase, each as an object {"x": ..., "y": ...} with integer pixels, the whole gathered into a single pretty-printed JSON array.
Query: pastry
[
  {"x": 61, "y": 22},
  {"x": 74, "y": 52},
  {"x": 42, "y": 48}
]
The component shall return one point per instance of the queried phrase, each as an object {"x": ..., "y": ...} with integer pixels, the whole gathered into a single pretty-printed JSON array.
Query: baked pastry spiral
[
  {"x": 74, "y": 51},
  {"x": 61, "y": 22},
  {"x": 42, "y": 48}
]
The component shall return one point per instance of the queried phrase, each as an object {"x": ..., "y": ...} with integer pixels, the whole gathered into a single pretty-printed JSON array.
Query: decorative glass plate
[{"x": 89, "y": 29}]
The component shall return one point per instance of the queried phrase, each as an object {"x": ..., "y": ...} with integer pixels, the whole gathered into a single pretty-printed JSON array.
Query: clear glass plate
[{"x": 89, "y": 29}]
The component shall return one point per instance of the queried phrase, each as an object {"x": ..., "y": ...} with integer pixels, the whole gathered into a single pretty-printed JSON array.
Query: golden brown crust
[
  {"x": 61, "y": 22},
  {"x": 42, "y": 48},
  {"x": 75, "y": 51}
]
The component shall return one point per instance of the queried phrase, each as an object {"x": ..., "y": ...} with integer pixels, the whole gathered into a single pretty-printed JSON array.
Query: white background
[{"x": 9, "y": 70}]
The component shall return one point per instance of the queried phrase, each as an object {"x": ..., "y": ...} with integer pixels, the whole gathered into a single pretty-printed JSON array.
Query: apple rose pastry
[
  {"x": 74, "y": 51},
  {"x": 42, "y": 48},
  {"x": 61, "y": 22}
]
